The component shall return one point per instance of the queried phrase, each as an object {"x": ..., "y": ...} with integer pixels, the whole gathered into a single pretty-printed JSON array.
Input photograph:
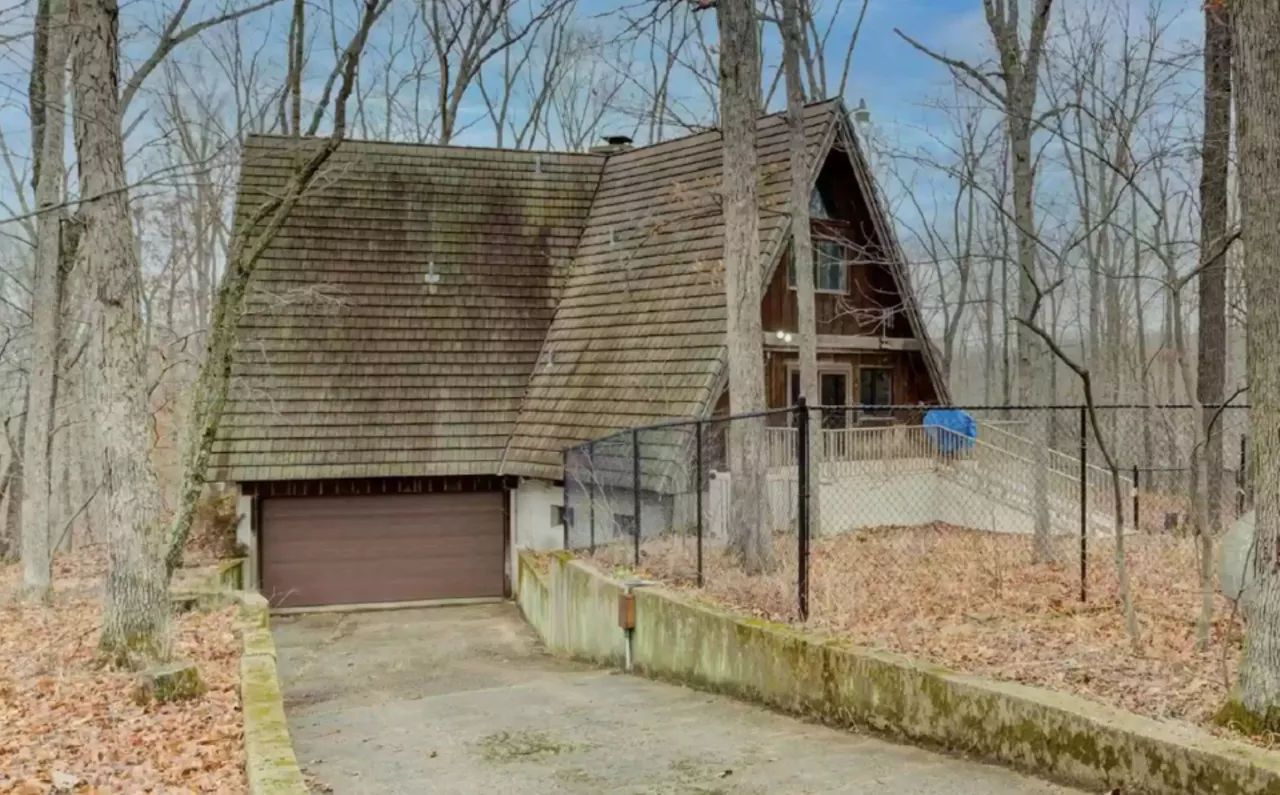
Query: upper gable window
[
  {"x": 819, "y": 206},
  {"x": 830, "y": 266}
]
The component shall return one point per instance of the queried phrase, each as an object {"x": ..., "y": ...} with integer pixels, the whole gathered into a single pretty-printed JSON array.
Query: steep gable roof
[
  {"x": 846, "y": 141},
  {"x": 394, "y": 322},
  {"x": 639, "y": 334},
  {"x": 437, "y": 310}
]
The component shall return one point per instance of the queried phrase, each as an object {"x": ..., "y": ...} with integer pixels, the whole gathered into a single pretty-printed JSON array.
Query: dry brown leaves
[
  {"x": 64, "y": 720},
  {"x": 973, "y": 601}
]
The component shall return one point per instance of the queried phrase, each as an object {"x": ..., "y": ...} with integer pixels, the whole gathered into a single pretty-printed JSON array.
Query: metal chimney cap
[
  {"x": 617, "y": 140},
  {"x": 861, "y": 114}
]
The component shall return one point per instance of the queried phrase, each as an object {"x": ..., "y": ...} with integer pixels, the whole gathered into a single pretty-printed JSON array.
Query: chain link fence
[
  {"x": 657, "y": 501},
  {"x": 881, "y": 516}
]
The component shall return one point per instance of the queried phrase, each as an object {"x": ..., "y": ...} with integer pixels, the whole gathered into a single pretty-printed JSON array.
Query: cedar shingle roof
[
  {"x": 573, "y": 295},
  {"x": 639, "y": 335},
  {"x": 351, "y": 362}
]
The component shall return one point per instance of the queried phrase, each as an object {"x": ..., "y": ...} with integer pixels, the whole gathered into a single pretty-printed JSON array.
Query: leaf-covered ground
[
  {"x": 66, "y": 725},
  {"x": 973, "y": 601}
]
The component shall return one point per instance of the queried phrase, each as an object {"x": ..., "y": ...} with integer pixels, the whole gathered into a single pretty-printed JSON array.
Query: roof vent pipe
[{"x": 613, "y": 144}]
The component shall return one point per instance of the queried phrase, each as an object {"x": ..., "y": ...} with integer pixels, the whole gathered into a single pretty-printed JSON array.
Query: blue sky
[
  {"x": 897, "y": 82},
  {"x": 894, "y": 79}
]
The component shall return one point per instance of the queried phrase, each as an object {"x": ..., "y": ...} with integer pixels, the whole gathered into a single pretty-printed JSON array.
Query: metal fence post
[
  {"x": 591, "y": 493},
  {"x": 635, "y": 488},
  {"x": 1242, "y": 477},
  {"x": 802, "y": 503},
  {"x": 697, "y": 484},
  {"x": 565, "y": 496},
  {"x": 1084, "y": 504}
]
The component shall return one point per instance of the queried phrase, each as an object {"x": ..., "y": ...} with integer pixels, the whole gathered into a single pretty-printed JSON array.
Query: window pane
[
  {"x": 834, "y": 389},
  {"x": 876, "y": 386},
  {"x": 818, "y": 207},
  {"x": 791, "y": 265},
  {"x": 835, "y": 392},
  {"x": 830, "y": 272}
]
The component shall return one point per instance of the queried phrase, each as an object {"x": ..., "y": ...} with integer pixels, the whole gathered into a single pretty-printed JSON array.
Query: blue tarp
[{"x": 963, "y": 429}]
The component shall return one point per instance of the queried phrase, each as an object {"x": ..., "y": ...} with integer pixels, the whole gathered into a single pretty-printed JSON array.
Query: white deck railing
[{"x": 841, "y": 445}]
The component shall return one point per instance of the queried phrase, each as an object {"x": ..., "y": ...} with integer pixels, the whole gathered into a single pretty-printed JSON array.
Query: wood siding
[
  {"x": 639, "y": 334},
  {"x": 870, "y": 282},
  {"x": 911, "y": 384},
  {"x": 871, "y": 287}
]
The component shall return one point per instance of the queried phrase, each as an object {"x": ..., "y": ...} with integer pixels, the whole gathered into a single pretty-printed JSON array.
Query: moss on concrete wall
[
  {"x": 270, "y": 763},
  {"x": 574, "y": 611},
  {"x": 231, "y": 574},
  {"x": 1048, "y": 734}
]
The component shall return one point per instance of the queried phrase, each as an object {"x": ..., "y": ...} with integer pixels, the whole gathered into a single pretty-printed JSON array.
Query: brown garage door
[{"x": 385, "y": 548}]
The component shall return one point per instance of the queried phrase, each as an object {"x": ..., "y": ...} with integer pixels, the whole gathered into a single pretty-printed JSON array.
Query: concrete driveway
[{"x": 462, "y": 700}]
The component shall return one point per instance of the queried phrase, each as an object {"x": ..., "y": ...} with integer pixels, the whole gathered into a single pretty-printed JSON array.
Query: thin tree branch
[
  {"x": 172, "y": 37},
  {"x": 958, "y": 66}
]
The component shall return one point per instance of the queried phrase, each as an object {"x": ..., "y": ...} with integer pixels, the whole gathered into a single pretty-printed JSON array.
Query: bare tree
[
  {"x": 252, "y": 239},
  {"x": 818, "y": 29},
  {"x": 11, "y": 542},
  {"x": 946, "y": 225},
  {"x": 46, "y": 301},
  {"x": 739, "y": 105},
  {"x": 527, "y": 76},
  {"x": 1020, "y": 73},
  {"x": 1255, "y": 31},
  {"x": 136, "y": 615},
  {"x": 467, "y": 35},
  {"x": 802, "y": 174},
  {"x": 587, "y": 91},
  {"x": 1212, "y": 336},
  {"x": 1117, "y": 494}
]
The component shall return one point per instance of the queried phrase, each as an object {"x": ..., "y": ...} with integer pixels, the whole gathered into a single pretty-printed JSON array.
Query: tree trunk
[
  {"x": 802, "y": 250},
  {"x": 5, "y": 480},
  {"x": 739, "y": 102},
  {"x": 1020, "y": 71},
  {"x": 1031, "y": 357},
  {"x": 136, "y": 611},
  {"x": 12, "y": 538},
  {"x": 297, "y": 41},
  {"x": 46, "y": 305},
  {"x": 1139, "y": 319},
  {"x": 1257, "y": 73},
  {"x": 11, "y": 544},
  {"x": 1006, "y": 355},
  {"x": 213, "y": 385},
  {"x": 1212, "y": 355},
  {"x": 989, "y": 335},
  {"x": 1173, "y": 463}
]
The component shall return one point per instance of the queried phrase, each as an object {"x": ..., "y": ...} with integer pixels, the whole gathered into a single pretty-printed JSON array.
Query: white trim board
[{"x": 845, "y": 342}]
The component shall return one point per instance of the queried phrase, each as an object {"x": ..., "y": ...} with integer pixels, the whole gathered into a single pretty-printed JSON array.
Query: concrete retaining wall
[
  {"x": 862, "y": 494},
  {"x": 576, "y": 616},
  {"x": 1048, "y": 734},
  {"x": 270, "y": 763}
]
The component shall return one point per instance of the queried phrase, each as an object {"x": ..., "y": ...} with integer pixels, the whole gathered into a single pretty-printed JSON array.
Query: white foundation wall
[
  {"x": 248, "y": 539},
  {"x": 533, "y": 517},
  {"x": 873, "y": 494}
]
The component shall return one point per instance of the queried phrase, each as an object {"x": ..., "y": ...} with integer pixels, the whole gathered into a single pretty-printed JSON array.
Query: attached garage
[{"x": 368, "y": 549}]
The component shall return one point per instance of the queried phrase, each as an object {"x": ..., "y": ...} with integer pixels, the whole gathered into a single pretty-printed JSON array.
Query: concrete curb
[
  {"x": 270, "y": 763},
  {"x": 574, "y": 609}
]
